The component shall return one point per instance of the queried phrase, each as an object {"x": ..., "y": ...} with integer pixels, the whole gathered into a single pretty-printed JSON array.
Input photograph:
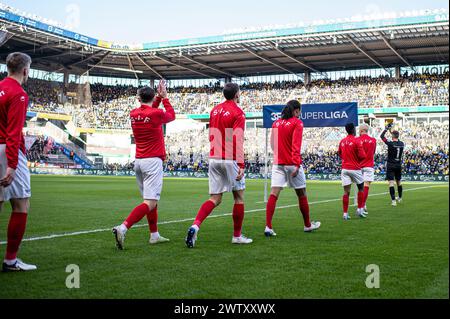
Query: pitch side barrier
[{"x": 200, "y": 175}]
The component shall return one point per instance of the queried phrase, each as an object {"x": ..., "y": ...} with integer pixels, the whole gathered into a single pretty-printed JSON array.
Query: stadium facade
[{"x": 403, "y": 41}]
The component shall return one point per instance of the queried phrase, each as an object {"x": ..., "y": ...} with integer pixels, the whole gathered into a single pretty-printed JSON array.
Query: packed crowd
[
  {"x": 45, "y": 95},
  {"x": 427, "y": 150},
  {"x": 423, "y": 162},
  {"x": 111, "y": 105}
]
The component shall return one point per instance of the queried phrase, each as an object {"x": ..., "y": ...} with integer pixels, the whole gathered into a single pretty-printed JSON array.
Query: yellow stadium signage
[
  {"x": 86, "y": 130},
  {"x": 50, "y": 116},
  {"x": 104, "y": 44}
]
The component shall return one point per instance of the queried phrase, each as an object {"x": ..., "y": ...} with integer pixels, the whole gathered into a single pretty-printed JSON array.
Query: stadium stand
[
  {"x": 427, "y": 150},
  {"x": 112, "y": 104},
  {"x": 393, "y": 45},
  {"x": 188, "y": 150},
  {"x": 410, "y": 90}
]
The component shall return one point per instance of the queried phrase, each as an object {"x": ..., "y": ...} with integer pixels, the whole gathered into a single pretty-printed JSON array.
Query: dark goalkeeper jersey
[{"x": 395, "y": 152}]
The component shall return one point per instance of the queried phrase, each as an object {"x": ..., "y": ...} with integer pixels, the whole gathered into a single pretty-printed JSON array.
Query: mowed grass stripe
[
  {"x": 107, "y": 229},
  {"x": 409, "y": 243}
]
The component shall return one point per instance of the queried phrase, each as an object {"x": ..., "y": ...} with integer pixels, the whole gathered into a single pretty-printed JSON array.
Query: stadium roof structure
[{"x": 395, "y": 42}]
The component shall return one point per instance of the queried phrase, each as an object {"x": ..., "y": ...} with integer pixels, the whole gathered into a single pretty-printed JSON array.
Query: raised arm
[
  {"x": 383, "y": 135},
  {"x": 168, "y": 115},
  {"x": 157, "y": 102}
]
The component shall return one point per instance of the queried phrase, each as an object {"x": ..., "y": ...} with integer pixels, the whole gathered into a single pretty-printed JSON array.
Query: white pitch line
[{"x": 87, "y": 232}]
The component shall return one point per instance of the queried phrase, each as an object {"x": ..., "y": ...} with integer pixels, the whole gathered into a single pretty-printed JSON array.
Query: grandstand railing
[{"x": 68, "y": 149}]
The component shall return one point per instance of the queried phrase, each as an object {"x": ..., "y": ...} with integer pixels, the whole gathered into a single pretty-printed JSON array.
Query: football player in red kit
[
  {"x": 147, "y": 123},
  {"x": 226, "y": 166},
  {"x": 287, "y": 136},
  {"x": 352, "y": 154},
  {"x": 369, "y": 145},
  {"x": 14, "y": 173}
]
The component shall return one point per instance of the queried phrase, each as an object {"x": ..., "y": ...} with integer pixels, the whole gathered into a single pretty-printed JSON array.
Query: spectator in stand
[{"x": 106, "y": 107}]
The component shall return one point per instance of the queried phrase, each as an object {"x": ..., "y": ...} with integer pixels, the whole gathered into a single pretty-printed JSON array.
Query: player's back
[
  {"x": 351, "y": 153},
  {"x": 9, "y": 90},
  {"x": 147, "y": 124},
  {"x": 286, "y": 142},
  {"x": 369, "y": 145},
  {"x": 11, "y": 95},
  {"x": 226, "y": 134}
]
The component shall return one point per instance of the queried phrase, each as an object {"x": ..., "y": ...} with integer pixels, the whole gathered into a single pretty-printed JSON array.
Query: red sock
[
  {"x": 304, "y": 208},
  {"x": 366, "y": 194},
  {"x": 361, "y": 200},
  {"x": 238, "y": 219},
  {"x": 270, "y": 210},
  {"x": 204, "y": 212},
  {"x": 152, "y": 218},
  {"x": 136, "y": 215},
  {"x": 16, "y": 230},
  {"x": 346, "y": 201}
]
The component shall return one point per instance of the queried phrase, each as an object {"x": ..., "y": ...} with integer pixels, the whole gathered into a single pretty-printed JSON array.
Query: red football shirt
[
  {"x": 369, "y": 145},
  {"x": 287, "y": 136},
  {"x": 13, "y": 113},
  {"x": 147, "y": 124},
  {"x": 352, "y": 153},
  {"x": 226, "y": 133}
]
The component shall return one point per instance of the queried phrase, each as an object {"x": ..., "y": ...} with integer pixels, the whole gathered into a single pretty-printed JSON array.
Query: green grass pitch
[{"x": 409, "y": 244}]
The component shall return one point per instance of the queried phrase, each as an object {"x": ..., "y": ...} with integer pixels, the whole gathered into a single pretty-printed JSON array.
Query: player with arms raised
[
  {"x": 369, "y": 145},
  {"x": 226, "y": 167},
  {"x": 147, "y": 123},
  {"x": 352, "y": 154},
  {"x": 14, "y": 173},
  {"x": 287, "y": 137},
  {"x": 394, "y": 163}
]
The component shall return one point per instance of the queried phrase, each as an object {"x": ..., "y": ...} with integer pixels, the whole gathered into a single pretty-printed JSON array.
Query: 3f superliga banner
[{"x": 317, "y": 115}]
